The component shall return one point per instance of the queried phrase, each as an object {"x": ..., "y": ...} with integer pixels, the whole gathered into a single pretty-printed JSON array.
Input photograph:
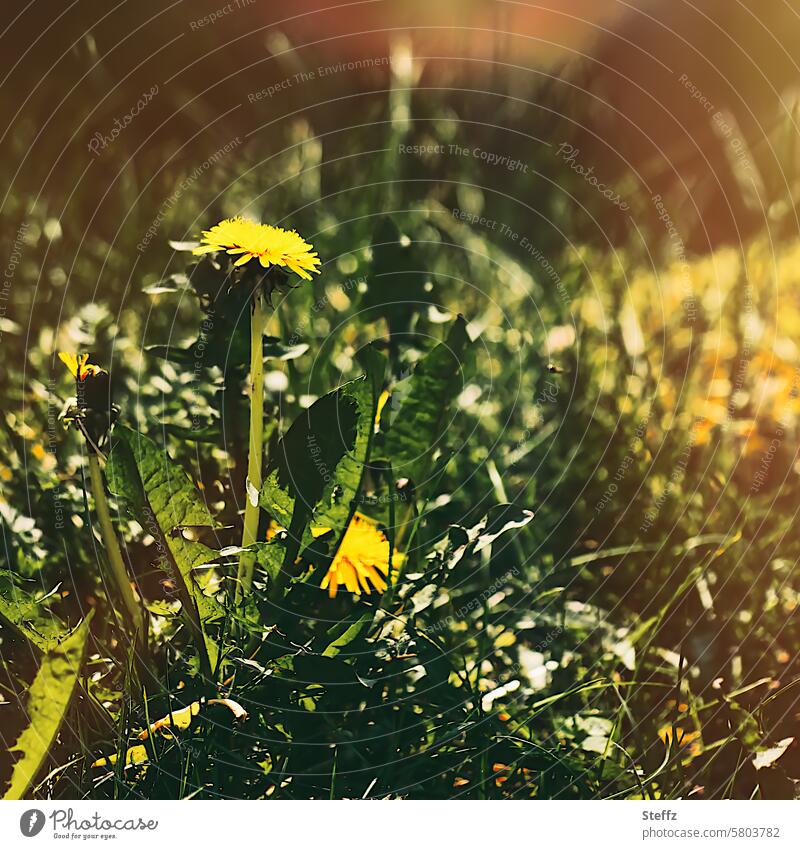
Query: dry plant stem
[
  {"x": 258, "y": 321},
  {"x": 118, "y": 570}
]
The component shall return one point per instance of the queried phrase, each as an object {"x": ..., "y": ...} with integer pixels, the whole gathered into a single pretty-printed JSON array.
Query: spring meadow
[{"x": 400, "y": 401}]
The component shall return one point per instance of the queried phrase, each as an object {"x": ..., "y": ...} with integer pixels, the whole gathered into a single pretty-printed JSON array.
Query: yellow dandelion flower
[
  {"x": 79, "y": 366},
  {"x": 270, "y": 245},
  {"x": 362, "y": 559}
]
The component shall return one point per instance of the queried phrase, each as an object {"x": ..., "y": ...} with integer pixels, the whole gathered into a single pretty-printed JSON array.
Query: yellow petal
[
  {"x": 348, "y": 573},
  {"x": 70, "y": 361}
]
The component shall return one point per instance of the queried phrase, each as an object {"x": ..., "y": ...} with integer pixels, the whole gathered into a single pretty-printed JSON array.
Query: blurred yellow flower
[
  {"x": 680, "y": 738},
  {"x": 270, "y": 245},
  {"x": 362, "y": 559},
  {"x": 701, "y": 431},
  {"x": 79, "y": 366}
]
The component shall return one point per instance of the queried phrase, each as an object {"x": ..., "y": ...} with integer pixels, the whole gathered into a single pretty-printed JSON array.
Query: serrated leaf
[
  {"x": 499, "y": 519},
  {"x": 20, "y": 611},
  {"x": 269, "y": 556},
  {"x": 159, "y": 484},
  {"x": 49, "y": 698},
  {"x": 337, "y": 505},
  {"x": 317, "y": 469},
  {"x": 306, "y": 457},
  {"x": 350, "y": 633},
  {"x": 416, "y": 429},
  {"x": 275, "y": 498},
  {"x": 163, "y": 499}
]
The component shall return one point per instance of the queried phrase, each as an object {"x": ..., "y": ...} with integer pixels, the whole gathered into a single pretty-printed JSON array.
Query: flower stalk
[
  {"x": 245, "y": 241},
  {"x": 255, "y": 455},
  {"x": 118, "y": 570}
]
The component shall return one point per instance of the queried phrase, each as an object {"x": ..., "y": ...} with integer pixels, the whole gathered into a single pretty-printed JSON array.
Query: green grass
[{"x": 636, "y": 638}]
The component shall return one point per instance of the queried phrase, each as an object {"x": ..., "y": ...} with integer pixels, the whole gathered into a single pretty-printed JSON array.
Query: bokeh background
[{"x": 607, "y": 192}]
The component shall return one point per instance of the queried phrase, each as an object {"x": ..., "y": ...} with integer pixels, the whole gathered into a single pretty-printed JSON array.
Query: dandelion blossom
[
  {"x": 79, "y": 366},
  {"x": 269, "y": 245},
  {"x": 362, "y": 559}
]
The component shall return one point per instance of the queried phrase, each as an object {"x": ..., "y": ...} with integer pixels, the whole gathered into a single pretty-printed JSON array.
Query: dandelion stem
[
  {"x": 258, "y": 321},
  {"x": 118, "y": 570}
]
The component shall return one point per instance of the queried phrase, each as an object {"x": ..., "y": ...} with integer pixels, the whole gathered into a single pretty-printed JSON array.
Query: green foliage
[
  {"x": 315, "y": 475},
  {"x": 417, "y": 426},
  {"x": 637, "y": 639},
  {"x": 162, "y": 497},
  {"x": 49, "y": 698},
  {"x": 27, "y": 614}
]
